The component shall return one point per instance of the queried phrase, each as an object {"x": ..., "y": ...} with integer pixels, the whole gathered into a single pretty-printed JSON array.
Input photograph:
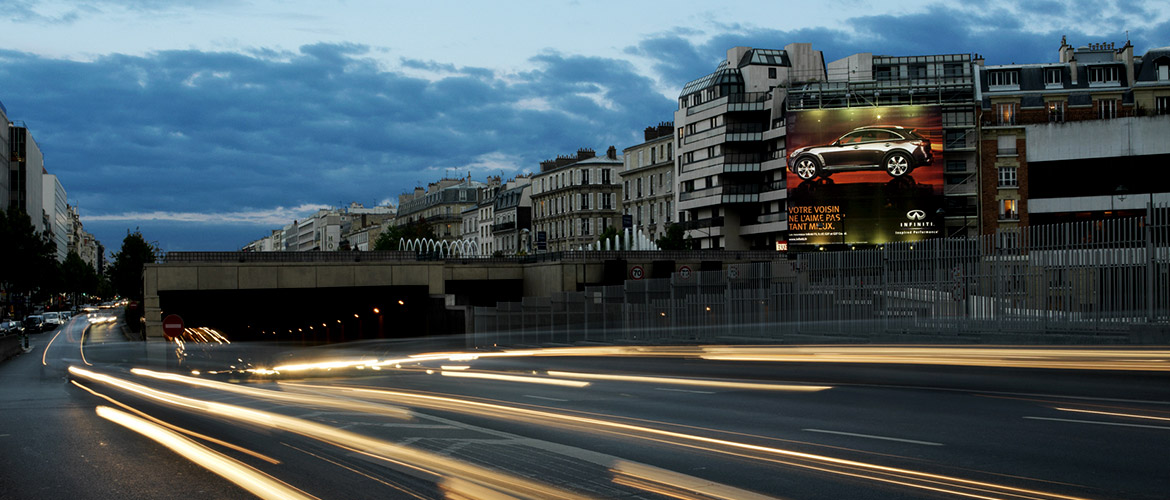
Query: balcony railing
[
  {"x": 505, "y": 226},
  {"x": 744, "y": 128},
  {"x": 700, "y": 193},
  {"x": 703, "y": 223}
]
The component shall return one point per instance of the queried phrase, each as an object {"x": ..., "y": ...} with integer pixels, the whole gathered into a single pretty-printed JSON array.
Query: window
[
  {"x": 626, "y": 190},
  {"x": 1103, "y": 75},
  {"x": 1052, "y": 77},
  {"x": 605, "y": 179},
  {"x": 1005, "y": 113},
  {"x": 585, "y": 201},
  {"x": 1162, "y": 105},
  {"x": 584, "y": 227},
  {"x": 585, "y": 177},
  {"x": 1055, "y": 111},
  {"x": 956, "y": 165},
  {"x": 1006, "y": 145},
  {"x": 771, "y": 72},
  {"x": 1003, "y": 78},
  {"x": 956, "y": 139},
  {"x": 1007, "y": 177},
  {"x": 1107, "y": 108},
  {"x": 669, "y": 182},
  {"x": 639, "y": 184},
  {"x": 1009, "y": 209},
  {"x": 953, "y": 70}
]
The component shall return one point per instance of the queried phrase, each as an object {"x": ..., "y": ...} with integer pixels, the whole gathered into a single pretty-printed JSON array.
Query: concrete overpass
[{"x": 286, "y": 293}]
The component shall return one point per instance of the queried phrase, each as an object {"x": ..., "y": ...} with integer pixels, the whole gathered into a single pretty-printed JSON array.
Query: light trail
[
  {"x": 676, "y": 485},
  {"x": 1114, "y": 414},
  {"x": 252, "y": 480},
  {"x": 692, "y": 382},
  {"x": 576, "y": 422},
  {"x": 45, "y": 353},
  {"x": 515, "y": 378},
  {"x": 298, "y": 399},
  {"x": 176, "y": 428},
  {"x": 427, "y": 463}
]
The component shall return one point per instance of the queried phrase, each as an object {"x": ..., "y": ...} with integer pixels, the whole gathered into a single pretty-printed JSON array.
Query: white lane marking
[
  {"x": 544, "y": 398},
  {"x": 868, "y": 436},
  {"x": 1160, "y": 427},
  {"x": 684, "y": 390}
]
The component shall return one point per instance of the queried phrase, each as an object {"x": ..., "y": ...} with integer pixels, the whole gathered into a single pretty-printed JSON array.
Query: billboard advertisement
[{"x": 866, "y": 175}]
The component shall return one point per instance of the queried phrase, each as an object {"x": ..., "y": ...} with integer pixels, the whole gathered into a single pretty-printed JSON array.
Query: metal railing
[{"x": 1085, "y": 282}]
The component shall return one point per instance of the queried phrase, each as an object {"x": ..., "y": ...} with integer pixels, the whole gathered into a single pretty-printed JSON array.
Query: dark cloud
[{"x": 216, "y": 133}]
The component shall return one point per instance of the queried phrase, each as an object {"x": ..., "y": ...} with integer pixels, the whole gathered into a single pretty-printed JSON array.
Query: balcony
[
  {"x": 741, "y": 162},
  {"x": 505, "y": 226},
  {"x": 748, "y": 101},
  {"x": 703, "y": 223},
  {"x": 746, "y": 193},
  {"x": 744, "y": 132},
  {"x": 700, "y": 193}
]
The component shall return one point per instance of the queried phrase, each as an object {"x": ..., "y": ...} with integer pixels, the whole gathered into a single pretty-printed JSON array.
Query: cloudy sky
[{"x": 207, "y": 124}]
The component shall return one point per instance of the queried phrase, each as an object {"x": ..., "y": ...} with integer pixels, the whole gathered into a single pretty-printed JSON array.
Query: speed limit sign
[{"x": 636, "y": 272}]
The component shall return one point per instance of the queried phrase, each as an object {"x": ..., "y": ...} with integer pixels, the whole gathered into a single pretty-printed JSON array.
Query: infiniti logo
[{"x": 916, "y": 215}]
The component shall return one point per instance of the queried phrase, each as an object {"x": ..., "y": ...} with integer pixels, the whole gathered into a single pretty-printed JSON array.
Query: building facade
[
  {"x": 439, "y": 206},
  {"x": 1081, "y": 138},
  {"x": 647, "y": 177},
  {"x": 575, "y": 198},
  {"x": 6, "y": 150},
  {"x": 26, "y": 175},
  {"x": 730, "y": 147},
  {"x": 58, "y": 222},
  {"x": 512, "y": 218}
]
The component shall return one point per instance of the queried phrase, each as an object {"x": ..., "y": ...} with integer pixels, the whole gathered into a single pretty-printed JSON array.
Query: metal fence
[{"x": 1097, "y": 281}]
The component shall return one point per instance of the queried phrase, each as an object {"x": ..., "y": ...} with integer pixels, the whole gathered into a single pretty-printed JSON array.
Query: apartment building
[
  {"x": 648, "y": 181},
  {"x": 575, "y": 198},
  {"x": 26, "y": 170},
  {"x": 730, "y": 143},
  {"x": 440, "y": 206},
  {"x": 485, "y": 217},
  {"x": 512, "y": 217},
  {"x": 1081, "y": 138},
  {"x": 57, "y": 223},
  {"x": 5, "y": 149}
]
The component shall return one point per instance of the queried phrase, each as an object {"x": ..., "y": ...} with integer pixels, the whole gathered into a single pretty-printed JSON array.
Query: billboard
[{"x": 866, "y": 175}]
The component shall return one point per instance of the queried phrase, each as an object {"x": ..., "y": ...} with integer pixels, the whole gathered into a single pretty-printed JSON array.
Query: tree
[
  {"x": 126, "y": 269},
  {"x": 78, "y": 277},
  {"x": 390, "y": 236},
  {"x": 27, "y": 258},
  {"x": 609, "y": 234},
  {"x": 674, "y": 239}
]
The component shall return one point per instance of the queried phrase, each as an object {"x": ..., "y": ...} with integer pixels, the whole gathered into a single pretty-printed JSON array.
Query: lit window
[
  {"x": 1006, "y": 113},
  {"x": 1055, "y": 111},
  {"x": 1009, "y": 209}
]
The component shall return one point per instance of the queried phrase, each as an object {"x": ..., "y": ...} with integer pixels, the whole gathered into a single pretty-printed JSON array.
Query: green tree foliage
[
  {"x": 674, "y": 239},
  {"x": 78, "y": 277},
  {"x": 28, "y": 258},
  {"x": 610, "y": 233},
  {"x": 388, "y": 240},
  {"x": 126, "y": 269}
]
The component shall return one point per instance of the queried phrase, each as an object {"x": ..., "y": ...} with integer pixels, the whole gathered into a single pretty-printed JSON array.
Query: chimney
[
  {"x": 585, "y": 154},
  {"x": 611, "y": 153},
  {"x": 650, "y": 133}
]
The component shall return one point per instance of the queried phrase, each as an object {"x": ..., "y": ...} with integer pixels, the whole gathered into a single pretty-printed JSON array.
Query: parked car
[
  {"x": 52, "y": 320},
  {"x": 11, "y": 328},
  {"x": 34, "y": 324},
  {"x": 897, "y": 150}
]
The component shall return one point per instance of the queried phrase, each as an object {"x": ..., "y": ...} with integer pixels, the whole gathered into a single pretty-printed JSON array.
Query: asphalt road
[{"x": 881, "y": 422}]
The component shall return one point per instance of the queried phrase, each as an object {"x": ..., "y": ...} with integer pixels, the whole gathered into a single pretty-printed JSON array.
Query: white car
[{"x": 54, "y": 319}]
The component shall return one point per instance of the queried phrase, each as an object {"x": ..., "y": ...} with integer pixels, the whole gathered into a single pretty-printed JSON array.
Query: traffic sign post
[
  {"x": 172, "y": 326},
  {"x": 684, "y": 272}
]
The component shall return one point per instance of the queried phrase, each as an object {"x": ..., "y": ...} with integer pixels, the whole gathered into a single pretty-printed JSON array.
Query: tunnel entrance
[{"x": 314, "y": 315}]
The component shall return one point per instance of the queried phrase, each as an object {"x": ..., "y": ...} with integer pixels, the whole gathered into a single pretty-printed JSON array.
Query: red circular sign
[
  {"x": 636, "y": 272},
  {"x": 172, "y": 326},
  {"x": 684, "y": 272}
]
